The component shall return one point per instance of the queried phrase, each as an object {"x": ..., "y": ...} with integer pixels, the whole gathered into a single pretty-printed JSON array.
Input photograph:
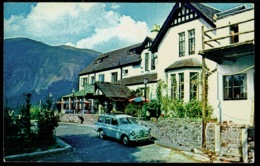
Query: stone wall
[
  {"x": 180, "y": 133},
  {"x": 210, "y": 136},
  {"x": 226, "y": 140},
  {"x": 88, "y": 119}
]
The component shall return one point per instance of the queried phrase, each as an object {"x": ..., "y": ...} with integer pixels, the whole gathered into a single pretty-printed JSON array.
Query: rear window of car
[{"x": 101, "y": 119}]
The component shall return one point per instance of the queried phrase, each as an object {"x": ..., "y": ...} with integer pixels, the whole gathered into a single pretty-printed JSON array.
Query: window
[
  {"x": 191, "y": 42},
  {"x": 92, "y": 79},
  {"x": 99, "y": 61},
  {"x": 146, "y": 61},
  {"x": 233, "y": 30},
  {"x": 114, "y": 122},
  {"x": 193, "y": 85},
  {"x": 101, "y": 119},
  {"x": 84, "y": 81},
  {"x": 101, "y": 78},
  {"x": 235, "y": 87},
  {"x": 181, "y": 44},
  {"x": 132, "y": 52},
  {"x": 154, "y": 61},
  {"x": 173, "y": 86},
  {"x": 114, "y": 77},
  {"x": 147, "y": 92},
  {"x": 107, "y": 120},
  {"x": 181, "y": 86},
  {"x": 125, "y": 72}
]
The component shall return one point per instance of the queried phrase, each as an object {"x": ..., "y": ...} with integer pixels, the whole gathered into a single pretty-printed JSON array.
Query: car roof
[{"x": 116, "y": 115}]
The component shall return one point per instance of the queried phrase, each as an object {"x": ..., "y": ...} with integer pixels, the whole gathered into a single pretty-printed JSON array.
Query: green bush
[
  {"x": 154, "y": 108},
  {"x": 18, "y": 136},
  {"x": 133, "y": 109}
]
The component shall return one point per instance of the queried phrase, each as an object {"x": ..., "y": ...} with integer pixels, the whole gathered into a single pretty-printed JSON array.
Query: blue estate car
[{"x": 121, "y": 127}]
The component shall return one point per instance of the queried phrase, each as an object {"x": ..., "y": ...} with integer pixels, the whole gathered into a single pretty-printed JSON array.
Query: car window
[
  {"x": 107, "y": 120},
  {"x": 133, "y": 120},
  {"x": 125, "y": 120},
  {"x": 101, "y": 119},
  {"x": 114, "y": 122}
]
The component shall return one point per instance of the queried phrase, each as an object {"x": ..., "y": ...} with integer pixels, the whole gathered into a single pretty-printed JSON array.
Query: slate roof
[
  {"x": 113, "y": 59},
  {"x": 204, "y": 11},
  {"x": 208, "y": 11},
  {"x": 114, "y": 90},
  {"x": 232, "y": 11},
  {"x": 184, "y": 63},
  {"x": 135, "y": 80}
]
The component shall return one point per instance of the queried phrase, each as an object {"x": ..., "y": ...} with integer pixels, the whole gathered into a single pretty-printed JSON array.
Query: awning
[
  {"x": 139, "y": 99},
  {"x": 89, "y": 89}
]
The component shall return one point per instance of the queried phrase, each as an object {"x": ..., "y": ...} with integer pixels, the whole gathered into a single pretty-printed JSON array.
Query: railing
[{"x": 210, "y": 39}]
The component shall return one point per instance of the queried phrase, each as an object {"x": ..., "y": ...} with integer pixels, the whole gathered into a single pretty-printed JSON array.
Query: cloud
[
  {"x": 84, "y": 25},
  {"x": 126, "y": 30},
  {"x": 115, "y": 6}
]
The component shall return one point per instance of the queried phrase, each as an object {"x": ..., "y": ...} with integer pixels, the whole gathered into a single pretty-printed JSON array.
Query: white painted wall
[
  {"x": 152, "y": 89},
  {"x": 247, "y": 26},
  {"x": 168, "y": 50},
  {"x": 239, "y": 111}
]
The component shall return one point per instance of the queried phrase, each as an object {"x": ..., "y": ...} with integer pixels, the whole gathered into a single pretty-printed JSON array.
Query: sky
[{"x": 102, "y": 26}]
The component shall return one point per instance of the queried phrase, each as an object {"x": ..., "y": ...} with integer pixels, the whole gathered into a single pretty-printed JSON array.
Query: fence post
[
  {"x": 217, "y": 138},
  {"x": 244, "y": 145}
]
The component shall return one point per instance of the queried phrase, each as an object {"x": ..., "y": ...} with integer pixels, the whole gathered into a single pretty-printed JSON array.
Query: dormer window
[
  {"x": 132, "y": 52},
  {"x": 100, "y": 60},
  {"x": 148, "y": 45},
  {"x": 125, "y": 72}
]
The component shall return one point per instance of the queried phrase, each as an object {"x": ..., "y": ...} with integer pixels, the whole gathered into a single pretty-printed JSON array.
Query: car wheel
[
  {"x": 101, "y": 134},
  {"x": 125, "y": 140}
]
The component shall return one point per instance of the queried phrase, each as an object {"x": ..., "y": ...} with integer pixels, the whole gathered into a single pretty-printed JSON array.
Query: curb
[{"x": 34, "y": 154}]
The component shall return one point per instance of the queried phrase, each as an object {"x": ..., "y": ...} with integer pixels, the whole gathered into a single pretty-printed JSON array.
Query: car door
[
  {"x": 115, "y": 133},
  {"x": 107, "y": 126}
]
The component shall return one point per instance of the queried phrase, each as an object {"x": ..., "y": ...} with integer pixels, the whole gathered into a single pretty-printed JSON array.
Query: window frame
[
  {"x": 146, "y": 63},
  {"x": 100, "y": 76},
  {"x": 230, "y": 90},
  {"x": 192, "y": 41},
  {"x": 181, "y": 86},
  {"x": 181, "y": 44},
  {"x": 114, "y": 76},
  {"x": 194, "y": 85},
  {"x": 173, "y": 86}
]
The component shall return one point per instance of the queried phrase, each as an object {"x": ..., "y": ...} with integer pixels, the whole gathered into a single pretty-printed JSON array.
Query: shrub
[
  {"x": 133, "y": 109},
  {"x": 17, "y": 131}
]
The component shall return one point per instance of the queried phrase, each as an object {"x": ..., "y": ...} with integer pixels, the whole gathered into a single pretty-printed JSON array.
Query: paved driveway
[{"x": 88, "y": 147}]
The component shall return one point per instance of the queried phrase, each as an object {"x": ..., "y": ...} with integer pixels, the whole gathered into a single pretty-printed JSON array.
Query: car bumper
[{"x": 138, "y": 138}]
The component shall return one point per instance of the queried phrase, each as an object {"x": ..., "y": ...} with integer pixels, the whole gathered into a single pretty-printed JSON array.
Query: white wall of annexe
[
  {"x": 238, "y": 111},
  {"x": 233, "y": 19}
]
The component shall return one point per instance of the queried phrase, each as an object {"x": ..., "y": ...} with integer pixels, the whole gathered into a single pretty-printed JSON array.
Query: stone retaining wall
[
  {"x": 228, "y": 140},
  {"x": 180, "y": 133},
  {"x": 88, "y": 119}
]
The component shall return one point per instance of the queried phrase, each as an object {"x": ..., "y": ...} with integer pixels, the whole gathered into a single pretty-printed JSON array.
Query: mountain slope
[{"x": 34, "y": 67}]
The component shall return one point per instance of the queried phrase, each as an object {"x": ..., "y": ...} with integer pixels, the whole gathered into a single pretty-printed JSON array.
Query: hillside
[{"x": 34, "y": 67}]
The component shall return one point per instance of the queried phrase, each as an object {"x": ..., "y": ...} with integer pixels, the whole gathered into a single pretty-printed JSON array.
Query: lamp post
[
  {"x": 50, "y": 101},
  {"x": 73, "y": 96},
  {"x": 145, "y": 82}
]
